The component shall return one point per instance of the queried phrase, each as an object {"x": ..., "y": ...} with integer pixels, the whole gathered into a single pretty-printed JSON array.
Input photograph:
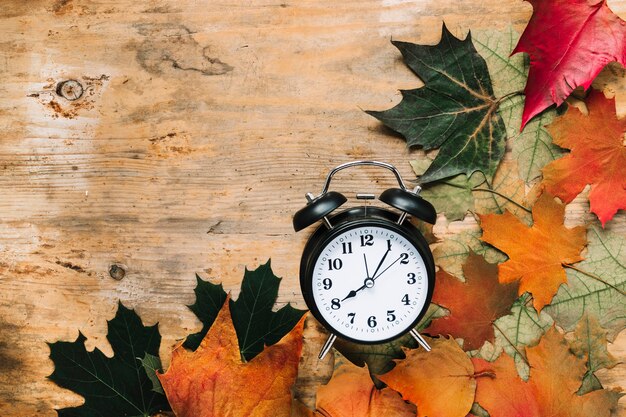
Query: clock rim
[{"x": 362, "y": 217}]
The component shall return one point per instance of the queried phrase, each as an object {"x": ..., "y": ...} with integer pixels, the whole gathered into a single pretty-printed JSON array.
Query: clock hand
[
  {"x": 353, "y": 293},
  {"x": 368, "y": 281},
  {"x": 383, "y": 258},
  {"x": 384, "y": 270}
]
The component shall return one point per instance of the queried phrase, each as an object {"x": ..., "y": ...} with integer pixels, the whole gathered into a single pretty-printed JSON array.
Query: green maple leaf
[
  {"x": 255, "y": 323},
  {"x": 533, "y": 147},
  {"x": 596, "y": 285},
  {"x": 116, "y": 386},
  {"x": 589, "y": 344},
  {"x": 209, "y": 300},
  {"x": 458, "y": 195},
  {"x": 516, "y": 331},
  {"x": 455, "y": 111},
  {"x": 452, "y": 196},
  {"x": 454, "y": 250},
  {"x": 152, "y": 365}
]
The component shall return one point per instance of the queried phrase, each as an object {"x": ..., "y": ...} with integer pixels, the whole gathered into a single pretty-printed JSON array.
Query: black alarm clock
[{"x": 367, "y": 274}]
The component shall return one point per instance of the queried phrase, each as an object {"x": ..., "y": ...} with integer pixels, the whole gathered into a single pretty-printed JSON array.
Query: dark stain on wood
[
  {"x": 9, "y": 356},
  {"x": 71, "y": 266},
  {"x": 169, "y": 48},
  {"x": 61, "y": 7}
]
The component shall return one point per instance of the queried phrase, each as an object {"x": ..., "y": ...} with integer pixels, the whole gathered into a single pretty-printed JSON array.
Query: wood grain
[{"x": 200, "y": 127}]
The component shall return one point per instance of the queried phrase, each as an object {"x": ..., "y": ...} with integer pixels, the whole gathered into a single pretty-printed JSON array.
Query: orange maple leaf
[
  {"x": 212, "y": 381},
  {"x": 597, "y": 157},
  {"x": 537, "y": 253},
  {"x": 469, "y": 319},
  {"x": 351, "y": 393},
  {"x": 439, "y": 382},
  {"x": 555, "y": 376}
]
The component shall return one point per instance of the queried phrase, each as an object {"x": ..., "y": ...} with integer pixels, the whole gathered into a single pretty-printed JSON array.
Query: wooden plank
[{"x": 200, "y": 128}]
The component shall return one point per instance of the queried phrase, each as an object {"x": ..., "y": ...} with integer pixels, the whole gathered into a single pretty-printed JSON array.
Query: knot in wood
[
  {"x": 70, "y": 90},
  {"x": 117, "y": 272}
]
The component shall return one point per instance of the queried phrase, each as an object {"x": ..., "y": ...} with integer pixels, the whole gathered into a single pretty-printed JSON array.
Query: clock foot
[
  {"x": 327, "y": 346},
  {"x": 422, "y": 342}
]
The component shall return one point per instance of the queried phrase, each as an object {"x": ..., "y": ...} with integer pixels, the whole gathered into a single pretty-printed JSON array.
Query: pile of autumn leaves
[{"x": 496, "y": 349}]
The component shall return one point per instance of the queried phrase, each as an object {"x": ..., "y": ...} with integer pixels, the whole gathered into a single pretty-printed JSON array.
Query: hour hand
[
  {"x": 352, "y": 293},
  {"x": 368, "y": 283}
]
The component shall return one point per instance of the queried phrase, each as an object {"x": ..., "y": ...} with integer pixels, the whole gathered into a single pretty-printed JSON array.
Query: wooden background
[{"x": 202, "y": 125}]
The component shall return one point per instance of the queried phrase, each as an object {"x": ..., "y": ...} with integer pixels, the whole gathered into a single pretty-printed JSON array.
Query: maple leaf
[
  {"x": 351, "y": 393},
  {"x": 596, "y": 287},
  {"x": 255, "y": 322},
  {"x": 597, "y": 157},
  {"x": 469, "y": 319},
  {"x": 117, "y": 386},
  {"x": 452, "y": 196},
  {"x": 455, "y": 111},
  {"x": 590, "y": 36},
  {"x": 257, "y": 325},
  {"x": 555, "y": 376},
  {"x": 443, "y": 385},
  {"x": 537, "y": 253},
  {"x": 454, "y": 250},
  {"x": 213, "y": 381},
  {"x": 589, "y": 344},
  {"x": 532, "y": 147},
  {"x": 209, "y": 300},
  {"x": 458, "y": 195},
  {"x": 513, "y": 332}
]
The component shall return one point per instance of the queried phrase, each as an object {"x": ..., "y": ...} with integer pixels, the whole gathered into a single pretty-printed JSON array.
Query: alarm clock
[{"x": 367, "y": 274}]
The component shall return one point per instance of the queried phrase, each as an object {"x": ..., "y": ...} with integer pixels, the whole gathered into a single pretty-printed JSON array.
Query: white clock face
[{"x": 370, "y": 283}]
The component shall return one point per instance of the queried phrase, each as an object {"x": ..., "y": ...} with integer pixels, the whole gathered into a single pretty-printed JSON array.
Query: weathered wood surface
[{"x": 201, "y": 127}]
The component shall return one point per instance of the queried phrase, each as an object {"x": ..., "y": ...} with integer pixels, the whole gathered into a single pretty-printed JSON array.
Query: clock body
[{"x": 367, "y": 279}]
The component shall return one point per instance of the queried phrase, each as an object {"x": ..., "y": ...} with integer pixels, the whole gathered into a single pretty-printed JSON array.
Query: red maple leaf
[
  {"x": 569, "y": 42},
  {"x": 468, "y": 319}
]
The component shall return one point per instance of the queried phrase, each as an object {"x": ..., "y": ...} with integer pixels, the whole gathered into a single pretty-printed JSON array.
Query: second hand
[{"x": 390, "y": 265}]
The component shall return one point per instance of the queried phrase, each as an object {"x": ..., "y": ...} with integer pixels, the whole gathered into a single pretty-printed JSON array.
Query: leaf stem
[
  {"x": 511, "y": 343},
  {"x": 509, "y": 95},
  {"x": 589, "y": 274},
  {"x": 503, "y": 196}
]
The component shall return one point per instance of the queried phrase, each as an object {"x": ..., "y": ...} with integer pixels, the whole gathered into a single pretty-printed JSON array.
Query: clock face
[{"x": 370, "y": 283}]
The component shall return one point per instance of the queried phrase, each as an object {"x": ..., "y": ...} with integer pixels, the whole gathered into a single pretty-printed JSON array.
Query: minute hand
[
  {"x": 383, "y": 271},
  {"x": 382, "y": 260}
]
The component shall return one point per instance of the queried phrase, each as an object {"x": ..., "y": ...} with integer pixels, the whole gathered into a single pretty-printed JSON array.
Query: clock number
[
  {"x": 328, "y": 283},
  {"x": 372, "y": 321},
  {"x": 351, "y": 315},
  {"x": 406, "y": 300},
  {"x": 404, "y": 258},
  {"x": 411, "y": 278},
  {"x": 347, "y": 247},
  {"x": 390, "y": 315},
  {"x": 334, "y": 304},
  {"x": 334, "y": 264},
  {"x": 367, "y": 240}
]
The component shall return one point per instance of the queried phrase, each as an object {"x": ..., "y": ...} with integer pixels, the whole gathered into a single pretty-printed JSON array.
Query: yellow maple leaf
[
  {"x": 351, "y": 393},
  {"x": 536, "y": 254},
  {"x": 439, "y": 382}
]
